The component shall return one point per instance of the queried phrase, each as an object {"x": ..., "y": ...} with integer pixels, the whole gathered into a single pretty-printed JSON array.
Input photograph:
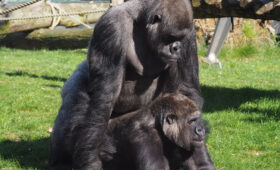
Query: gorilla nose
[
  {"x": 200, "y": 131},
  {"x": 175, "y": 47}
]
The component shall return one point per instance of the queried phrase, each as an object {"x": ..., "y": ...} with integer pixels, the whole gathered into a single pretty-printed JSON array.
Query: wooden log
[
  {"x": 255, "y": 9},
  {"x": 60, "y": 34},
  {"x": 46, "y": 38},
  {"x": 41, "y": 8},
  {"x": 117, "y": 2}
]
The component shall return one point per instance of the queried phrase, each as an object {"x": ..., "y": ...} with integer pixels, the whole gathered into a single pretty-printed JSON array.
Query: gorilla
[
  {"x": 139, "y": 51},
  {"x": 164, "y": 135},
  {"x": 161, "y": 136}
]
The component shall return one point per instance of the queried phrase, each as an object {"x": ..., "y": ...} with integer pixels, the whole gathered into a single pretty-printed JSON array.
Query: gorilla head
[
  {"x": 167, "y": 24},
  {"x": 170, "y": 125},
  {"x": 149, "y": 34},
  {"x": 180, "y": 121}
]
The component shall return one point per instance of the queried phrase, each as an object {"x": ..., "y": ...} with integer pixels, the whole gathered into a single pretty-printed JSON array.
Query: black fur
[
  {"x": 143, "y": 142},
  {"x": 160, "y": 137},
  {"x": 140, "y": 50}
]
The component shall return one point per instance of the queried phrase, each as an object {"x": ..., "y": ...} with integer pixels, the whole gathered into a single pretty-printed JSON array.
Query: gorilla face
[
  {"x": 164, "y": 41},
  {"x": 182, "y": 122},
  {"x": 167, "y": 27},
  {"x": 196, "y": 129},
  {"x": 185, "y": 130}
]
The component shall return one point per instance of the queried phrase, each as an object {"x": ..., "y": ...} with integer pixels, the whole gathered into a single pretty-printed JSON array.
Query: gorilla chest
[{"x": 137, "y": 93}]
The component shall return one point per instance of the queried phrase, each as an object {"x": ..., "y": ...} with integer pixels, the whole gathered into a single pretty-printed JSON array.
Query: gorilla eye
[
  {"x": 157, "y": 18},
  {"x": 193, "y": 120}
]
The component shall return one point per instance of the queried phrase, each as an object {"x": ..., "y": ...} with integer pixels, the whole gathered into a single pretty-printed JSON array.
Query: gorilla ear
[
  {"x": 171, "y": 130},
  {"x": 171, "y": 118},
  {"x": 156, "y": 19}
]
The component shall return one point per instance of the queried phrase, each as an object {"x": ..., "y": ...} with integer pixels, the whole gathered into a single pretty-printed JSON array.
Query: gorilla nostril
[
  {"x": 175, "y": 47},
  {"x": 200, "y": 131}
]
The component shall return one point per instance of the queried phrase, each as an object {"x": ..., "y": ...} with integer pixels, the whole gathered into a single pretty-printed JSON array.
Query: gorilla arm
[
  {"x": 147, "y": 146},
  {"x": 199, "y": 160},
  {"x": 106, "y": 59},
  {"x": 188, "y": 75}
]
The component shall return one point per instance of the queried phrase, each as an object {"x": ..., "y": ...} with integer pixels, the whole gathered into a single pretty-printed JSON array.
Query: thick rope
[
  {"x": 61, "y": 11},
  {"x": 98, "y": 10},
  {"x": 55, "y": 20},
  {"x": 18, "y": 7}
]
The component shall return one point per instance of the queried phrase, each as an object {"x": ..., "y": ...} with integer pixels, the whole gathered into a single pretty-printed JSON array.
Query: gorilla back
[{"x": 139, "y": 51}]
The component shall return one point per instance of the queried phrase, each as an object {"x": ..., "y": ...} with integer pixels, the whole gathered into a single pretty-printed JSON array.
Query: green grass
[
  {"x": 30, "y": 84},
  {"x": 248, "y": 29},
  {"x": 242, "y": 104}
]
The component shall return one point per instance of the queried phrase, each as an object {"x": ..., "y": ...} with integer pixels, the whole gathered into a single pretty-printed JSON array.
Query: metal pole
[{"x": 221, "y": 31}]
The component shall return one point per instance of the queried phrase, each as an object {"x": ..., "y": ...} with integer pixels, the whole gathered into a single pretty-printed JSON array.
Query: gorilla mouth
[
  {"x": 169, "y": 58},
  {"x": 198, "y": 141}
]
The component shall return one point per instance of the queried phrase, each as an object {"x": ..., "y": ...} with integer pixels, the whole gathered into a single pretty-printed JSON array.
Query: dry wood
[
  {"x": 255, "y": 9},
  {"x": 42, "y": 8},
  {"x": 46, "y": 38},
  {"x": 117, "y": 2},
  {"x": 60, "y": 34}
]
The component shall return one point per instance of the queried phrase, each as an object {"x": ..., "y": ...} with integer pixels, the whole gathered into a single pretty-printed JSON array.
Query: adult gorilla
[{"x": 140, "y": 50}]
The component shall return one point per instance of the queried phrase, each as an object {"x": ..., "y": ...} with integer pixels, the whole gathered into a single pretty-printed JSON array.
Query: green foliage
[
  {"x": 242, "y": 104},
  {"x": 248, "y": 29},
  {"x": 247, "y": 50}
]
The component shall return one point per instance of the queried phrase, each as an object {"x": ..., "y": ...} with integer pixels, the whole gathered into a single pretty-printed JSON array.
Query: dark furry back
[{"x": 69, "y": 122}]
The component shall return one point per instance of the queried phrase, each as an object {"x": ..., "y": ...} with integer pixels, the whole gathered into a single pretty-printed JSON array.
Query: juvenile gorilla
[
  {"x": 139, "y": 51},
  {"x": 161, "y": 136},
  {"x": 164, "y": 135}
]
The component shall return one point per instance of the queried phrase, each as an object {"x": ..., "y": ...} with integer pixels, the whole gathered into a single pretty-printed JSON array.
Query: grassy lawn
[{"x": 242, "y": 104}]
